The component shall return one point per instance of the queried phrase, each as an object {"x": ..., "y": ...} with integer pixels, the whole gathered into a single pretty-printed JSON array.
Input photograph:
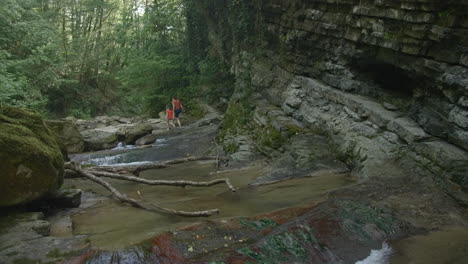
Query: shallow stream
[
  {"x": 111, "y": 225},
  {"x": 447, "y": 246}
]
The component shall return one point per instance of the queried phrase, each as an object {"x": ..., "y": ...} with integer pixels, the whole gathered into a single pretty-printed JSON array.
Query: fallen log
[
  {"x": 124, "y": 199},
  {"x": 180, "y": 183},
  {"x": 136, "y": 169}
]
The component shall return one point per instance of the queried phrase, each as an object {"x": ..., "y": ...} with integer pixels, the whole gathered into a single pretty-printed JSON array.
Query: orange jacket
[{"x": 169, "y": 114}]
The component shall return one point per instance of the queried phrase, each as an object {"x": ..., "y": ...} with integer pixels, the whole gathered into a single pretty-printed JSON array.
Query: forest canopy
[{"x": 90, "y": 57}]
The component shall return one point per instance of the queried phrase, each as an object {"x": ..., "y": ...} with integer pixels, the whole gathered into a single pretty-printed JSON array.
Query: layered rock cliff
[{"x": 385, "y": 80}]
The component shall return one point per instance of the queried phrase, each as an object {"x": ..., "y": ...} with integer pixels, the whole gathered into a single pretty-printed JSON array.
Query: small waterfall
[
  {"x": 105, "y": 161},
  {"x": 379, "y": 256},
  {"x": 160, "y": 141},
  {"x": 117, "y": 160},
  {"x": 122, "y": 145}
]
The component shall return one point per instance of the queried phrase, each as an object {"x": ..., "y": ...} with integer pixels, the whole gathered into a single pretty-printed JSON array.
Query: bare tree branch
[
  {"x": 163, "y": 182},
  {"x": 124, "y": 199}
]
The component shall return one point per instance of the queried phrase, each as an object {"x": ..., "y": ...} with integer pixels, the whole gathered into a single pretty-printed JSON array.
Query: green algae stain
[
  {"x": 278, "y": 248},
  {"x": 54, "y": 253},
  {"x": 360, "y": 215},
  {"x": 258, "y": 258},
  {"x": 307, "y": 235},
  {"x": 276, "y": 245},
  {"x": 25, "y": 261},
  {"x": 257, "y": 225}
]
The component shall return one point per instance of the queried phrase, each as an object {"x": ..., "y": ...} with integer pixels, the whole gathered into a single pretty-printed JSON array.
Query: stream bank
[{"x": 282, "y": 213}]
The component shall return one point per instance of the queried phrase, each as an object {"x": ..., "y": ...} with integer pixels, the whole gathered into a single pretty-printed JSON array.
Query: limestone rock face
[
  {"x": 69, "y": 135},
  {"x": 31, "y": 159},
  {"x": 385, "y": 80}
]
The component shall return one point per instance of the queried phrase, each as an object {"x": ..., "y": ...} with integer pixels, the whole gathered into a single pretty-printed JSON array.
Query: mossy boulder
[{"x": 31, "y": 158}]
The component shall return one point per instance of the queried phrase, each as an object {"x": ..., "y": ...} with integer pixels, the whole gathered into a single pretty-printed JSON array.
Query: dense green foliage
[
  {"x": 91, "y": 57},
  {"x": 29, "y": 61}
]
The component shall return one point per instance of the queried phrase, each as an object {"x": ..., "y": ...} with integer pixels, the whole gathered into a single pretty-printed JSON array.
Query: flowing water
[
  {"x": 447, "y": 246},
  {"x": 111, "y": 225}
]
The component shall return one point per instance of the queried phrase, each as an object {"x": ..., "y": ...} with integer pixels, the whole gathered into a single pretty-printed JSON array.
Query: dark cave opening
[
  {"x": 387, "y": 83},
  {"x": 387, "y": 79}
]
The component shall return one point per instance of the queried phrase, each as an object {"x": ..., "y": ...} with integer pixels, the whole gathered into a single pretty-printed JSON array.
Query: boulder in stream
[
  {"x": 31, "y": 157},
  {"x": 145, "y": 140},
  {"x": 100, "y": 138},
  {"x": 136, "y": 131},
  {"x": 66, "y": 198}
]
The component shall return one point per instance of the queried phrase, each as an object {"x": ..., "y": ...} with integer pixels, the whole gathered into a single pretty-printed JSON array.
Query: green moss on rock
[
  {"x": 237, "y": 116},
  {"x": 32, "y": 161},
  {"x": 268, "y": 137}
]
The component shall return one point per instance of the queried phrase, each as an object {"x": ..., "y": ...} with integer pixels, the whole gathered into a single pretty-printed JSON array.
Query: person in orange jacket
[{"x": 169, "y": 117}]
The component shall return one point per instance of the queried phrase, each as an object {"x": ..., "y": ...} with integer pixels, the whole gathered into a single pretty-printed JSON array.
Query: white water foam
[
  {"x": 136, "y": 163},
  {"x": 379, "y": 256},
  {"x": 122, "y": 146},
  {"x": 113, "y": 161},
  {"x": 104, "y": 161},
  {"x": 160, "y": 140}
]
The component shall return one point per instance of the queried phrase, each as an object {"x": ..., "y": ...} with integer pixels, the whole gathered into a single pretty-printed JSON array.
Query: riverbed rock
[
  {"x": 100, "y": 138},
  {"x": 68, "y": 133},
  {"x": 66, "y": 198},
  {"x": 31, "y": 159},
  {"x": 145, "y": 140},
  {"x": 134, "y": 132},
  {"x": 332, "y": 232},
  {"x": 390, "y": 106},
  {"x": 24, "y": 238},
  {"x": 208, "y": 121}
]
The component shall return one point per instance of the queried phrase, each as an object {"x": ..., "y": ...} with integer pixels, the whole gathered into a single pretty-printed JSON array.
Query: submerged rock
[
  {"x": 31, "y": 158},
  {"x": 332, "y": 232},
  {"x": 107, "y": 137},
  {"x": 24, "y": 238},
  {"x": 69, "y": 198},
  {"x": 148, "y": 139},
  {"x": 136, "y": 131}
]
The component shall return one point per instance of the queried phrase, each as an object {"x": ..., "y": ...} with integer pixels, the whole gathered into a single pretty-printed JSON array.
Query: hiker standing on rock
[
  {"x": 169, "y": 117},
  {"x": 177, "y": 108}
]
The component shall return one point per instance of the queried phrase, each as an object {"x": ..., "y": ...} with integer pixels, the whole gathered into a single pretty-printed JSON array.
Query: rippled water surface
[{"x": 448, "y": 246}]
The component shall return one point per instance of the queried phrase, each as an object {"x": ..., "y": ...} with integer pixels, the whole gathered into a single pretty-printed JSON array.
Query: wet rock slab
[
  {"x": 25, "y": 238},
  {"x": 332, "y": 232},
  {"x": 66, "y": 198},
  {"x": 335, "y": 231}
]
